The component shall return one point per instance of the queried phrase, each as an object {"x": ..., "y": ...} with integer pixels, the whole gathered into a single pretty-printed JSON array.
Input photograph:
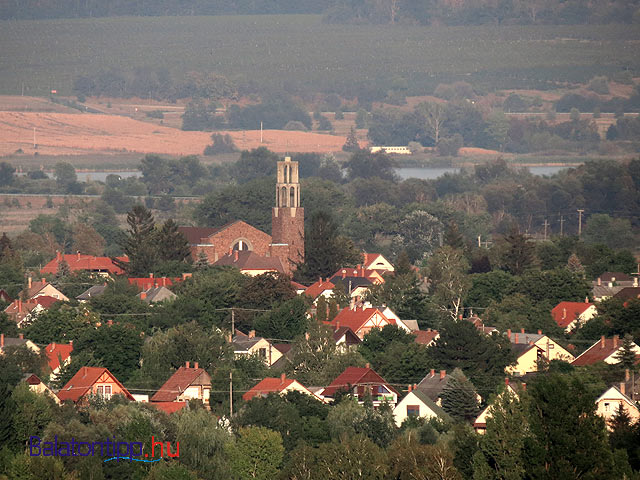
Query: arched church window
[
  {"x": 283, "y": 197},
  {"x": 241, "y": 246},
  {"x": 292, "y": 197}
]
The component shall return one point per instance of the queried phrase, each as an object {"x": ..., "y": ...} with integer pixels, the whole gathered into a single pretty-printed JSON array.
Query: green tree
[
  {"x": 459, "y": 397},
  {"x": 139, "y": 244},
  {"x": 351, "y": 144},
  {"x": 172, "y": 245},
  {"x": 87, "y": 240},
  {"x": 321, "y": 309},
  {"x": 285, "y": 321},
  {"x": 348, "y": 419},
  {"x": 613, "y": 232},
  {"x": 627, "y": 355},
  {"x": 66, "y": 178},
  {"x": 449, "y": 282},
  {"x": 6, "y": 174},
  {"x": 410, "y": 460},
  {"x": 256, "y": 453},
  {"x": 488, "y": 287},
  {"x": 363, "y": 164},
  {"x": 32, "y": 413},
  {"x": 517, "y": 253}
]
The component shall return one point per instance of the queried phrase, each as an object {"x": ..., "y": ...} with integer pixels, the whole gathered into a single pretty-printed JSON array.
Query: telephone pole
[
  {"x": 561, "y": 225},
  {"x": 546, "y": 224},
  {"x": 580, "y": 212},
  {"x": 230, "y": 394}
]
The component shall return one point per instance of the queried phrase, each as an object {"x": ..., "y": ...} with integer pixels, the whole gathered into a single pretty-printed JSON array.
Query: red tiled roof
[
  {"x": 566, "y": 312},
  {"x": 355, "y": 319},
  {"x": 268, "y": 385},
  {"x": 26, "y": 306},
  {"x": 359, "y": 271},
  {"x": 298, "y": 286},
  {"x": 83, "y": 380},
  {"x": 248, "y": 260},
  {"x": 619, "y": 276},
  {"x": 350, "y": 337},
  {"x": 598, "y": 351},
  {"x": 145, "y": 283},
  {"x": 84, "y": 262},
  {"x": 45, "y": 300},
  {"x": 353, "y": 376},
  {"x": 425, "y": 337},
  {"x": 317, "y": 288},
  {"x": 282, "y": 347},
  {"x": 177, "y": 383},
  {"x": 169, "y": 407},
  {"x": 57, "y": 352}
]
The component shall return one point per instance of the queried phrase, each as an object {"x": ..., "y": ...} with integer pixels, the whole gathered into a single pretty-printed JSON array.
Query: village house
[
  {"x": 17, "y": 342},
  {"x": 280, "y": 385},
  {"x": 250, "y": 263},
  {"x": 604, "y": 350},
  {"x": 187, "y": 383},
  {"x": 609, "y": 284},
  {"x": 92, "y": 381},
  {"x": 91, "y": 292},
  {"x": 246, "y": 345},
  {"x": 4, "y": 296},
  {"x": 145, "y": 283},
  {"x": 58, "y": 355},
  {"x": 102, "y": 266},
  {"x": 362, "y": 383},
  {"x": 573, "y": 315},
  {"x": 434, "y": 383},
  {"x": 38, "y": 386},
  {"x": 614, "y": 398},
  {"x": 41, "y": 288},
  {"x": 22, "y": 312},
  {"x": 157, "y": 295},
  {"x": 360, "y": 320},
  {"x": 345, "y": 339},
  {"x": 426, "y": 337},
  {"x": 417, "y": 404},
  {"x": 532, "y": 348},
  {"x": 377, "y": 262},
  {"x": 320, "y": 288}
]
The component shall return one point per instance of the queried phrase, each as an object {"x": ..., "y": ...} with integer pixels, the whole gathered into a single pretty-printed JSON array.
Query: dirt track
[{"x": 69, "y": 134}]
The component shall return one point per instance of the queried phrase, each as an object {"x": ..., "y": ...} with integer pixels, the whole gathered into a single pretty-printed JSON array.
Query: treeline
[
  {"x": 35, "y": 9},
  {"x": 155, "y": 83},
  {"x": 483, "y": 12}
]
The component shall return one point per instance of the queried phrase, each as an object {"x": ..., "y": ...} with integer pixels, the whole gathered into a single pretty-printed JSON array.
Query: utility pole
[
  {"x": 561, "y": 225},
  {"x": 231, "y": 393},
  {"x": 260, "y": 131},
  {"x": 233, "y": 322},
  {"x": 546, "y": 224},
  {"x": 580, "y": 211}
]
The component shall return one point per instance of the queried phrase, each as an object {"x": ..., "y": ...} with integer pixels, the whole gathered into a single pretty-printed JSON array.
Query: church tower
[{"x": 287, "y": 217}]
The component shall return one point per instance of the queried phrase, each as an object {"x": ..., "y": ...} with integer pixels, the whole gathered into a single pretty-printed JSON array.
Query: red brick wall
[
  {"x": 287, "y": 226},
  {"x": 223, "y": 241}
]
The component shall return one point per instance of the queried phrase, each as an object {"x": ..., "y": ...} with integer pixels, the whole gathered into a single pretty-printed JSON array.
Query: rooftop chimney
[
  {"x": 71, "y": 342},
  {"x": 84, "y": 371},
  {"x": 151, "y": 275},
  {"x": 53, "y": 347},
  {"x": 21, "y": 336},
  {"x": 524, "y": 386},
  {"x": 506, "y": 381},
  {"x": 410, "y": 388},
  {"x": 433, "y": 372},
  {"x": 344, "y": 273},
  {"x": 443, "y": 373},
  {"x": 599, "y": 281},
  {"x": 195, "y": 364},
  {"x": 368, "y": 365},
  {"x": 539, "y": 332},
  {"x": 78, "y": 254},
  {"x": 564, "y": 313},
  {"x": 1, "y": 340},
  {"x": 187, "y": 363},
  {"x": 586, "y": 299},
  {"x": 522, "y": 330},
  {"x": 509, "y": 334},
  {"x": 516, "y": 340},
  {"x": 283, "y": 377},
  {"x": 615, "y": 341},
  {"x": 252, "y": 333},
  {"x": 29, "y": 282},
  {"x": 235, "y": 255},
  {"x": 602, "y": 341},
  {"x": 143, "y": 295},
  {"x": 44, "y": 281},
  {"x": 622, "y": 388},
  {"x": 635, "y": 281}
]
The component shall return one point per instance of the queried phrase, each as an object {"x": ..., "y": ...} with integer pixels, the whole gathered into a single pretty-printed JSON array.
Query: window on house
[
  {"x": 606, "y": 407},
  {"x": 100, "y": 390},
  {"x": 413, "y": 410},
  {"x": 262, "y": 352},
  {"x": 107, "y": 391}
]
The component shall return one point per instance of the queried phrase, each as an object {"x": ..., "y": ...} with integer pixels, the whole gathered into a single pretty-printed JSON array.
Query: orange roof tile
[
  {"x": 566, "y": 312},
  {"x": 169, "y": 407},
  {"x": 82, "y": 382},
  {"x": 57, "y": 352},
  {"x": 317, "y": 288},
  {"x": 145, "y": 283},
  {"x": 353, "y": 376},
  {"x": 425, "y": 337},
  {"x": 355, "y": 319},
  {"x": 268, "y": 385},
  {"x": 600, "y": 350},
  {"x": 178, "y": 383},
  {"x": 84, "y": 262}
]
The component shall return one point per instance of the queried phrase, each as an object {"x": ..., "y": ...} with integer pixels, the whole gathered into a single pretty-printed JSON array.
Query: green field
[{"x": 301, "y": 54}]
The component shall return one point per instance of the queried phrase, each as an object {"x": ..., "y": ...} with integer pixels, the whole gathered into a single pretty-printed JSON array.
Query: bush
[
  {"x": 295, "y": 125},
  {"x": 599, "y": 85},
  {"x": 324, "y": 124},
  {"x": 449, "y": 146},
  {"x": 221, "y": 144},
  {"x": 155, "y": 114}
]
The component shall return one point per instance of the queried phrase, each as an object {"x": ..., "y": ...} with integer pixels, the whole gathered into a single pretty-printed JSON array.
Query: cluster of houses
[{"x": 350, "y": 325}]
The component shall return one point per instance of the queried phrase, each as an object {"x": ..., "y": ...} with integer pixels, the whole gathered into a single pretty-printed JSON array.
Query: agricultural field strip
[{"x": 51, "y": 53}]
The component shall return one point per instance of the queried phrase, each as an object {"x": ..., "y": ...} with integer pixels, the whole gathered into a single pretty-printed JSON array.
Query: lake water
[{"x": 430, "y": 173}]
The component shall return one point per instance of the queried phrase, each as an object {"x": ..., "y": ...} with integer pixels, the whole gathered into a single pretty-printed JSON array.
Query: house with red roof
[
  {"x": 321, "y": 287},
  {"x": 346, "y": 339},
  {"x": 250, "y": 263},
  {"x": 58, "y": 355},
  {"x": 426, "y": 337},
  {"x": 23, "y": 312},
  {"x": 41, "y": 288},
  {"x": 187, "y": 383},
  {"x": 362, "y": 382},
  {"x": 17, "y": 342},
  {"x": 614, "y": 398},
  {"x": 145, "y": 283},
  {"x": 604, "y": 350},
  {"x": 375, "y": 261},
  {"x": 572, "y": 315},
  {"x": 4, "y": 296},
  {"x": 89, "y": 263},
  {"x": 360, "y": 320},
  {"x": 38, "y": 386},
  {"x": 92, "y": 381},
  {"x": 280, "y": 385}
]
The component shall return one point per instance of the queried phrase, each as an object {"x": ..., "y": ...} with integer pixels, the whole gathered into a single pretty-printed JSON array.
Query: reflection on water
[{"x": 430, "y": 173}]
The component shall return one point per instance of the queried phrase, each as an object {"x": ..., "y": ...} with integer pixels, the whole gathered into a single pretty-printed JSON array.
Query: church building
[{"x": 286, "y": 241}]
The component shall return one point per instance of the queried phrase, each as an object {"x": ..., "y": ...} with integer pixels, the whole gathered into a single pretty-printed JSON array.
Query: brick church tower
[{"x": 287, "y": 218}]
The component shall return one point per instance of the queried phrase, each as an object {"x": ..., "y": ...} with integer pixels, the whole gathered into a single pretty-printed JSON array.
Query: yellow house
[
  {"x": 610, "y": 401},
  {"x": 42, "y": 288},
  {"x": 245, "y": 345},
  {"x": 480, "y": 425},
  {"x": 532, "y": 347}
]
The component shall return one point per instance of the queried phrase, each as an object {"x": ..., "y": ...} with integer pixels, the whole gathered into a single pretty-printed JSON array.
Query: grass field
[{"x": 298, "y": 52}]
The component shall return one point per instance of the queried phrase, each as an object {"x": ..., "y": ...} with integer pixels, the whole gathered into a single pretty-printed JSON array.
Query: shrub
[
  {"x": 221, "y": 144},
  {"x": 295, "y": 125},
  {"x": 449, "y": 146},
  {"x": 599, "y": 85}
]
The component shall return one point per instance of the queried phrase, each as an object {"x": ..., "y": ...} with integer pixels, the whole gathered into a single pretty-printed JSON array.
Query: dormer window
[{"x": 104, "y": 391}]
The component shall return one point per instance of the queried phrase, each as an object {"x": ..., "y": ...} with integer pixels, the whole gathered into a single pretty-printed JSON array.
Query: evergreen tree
[
  {"x": 333, "y": 309},
  {"x": 574, "y": 265},
  {"x": 321, "y": 309},
  {"x": 627, "y": 355},
  {"x": 63, "y": 269},
  {"x": 351, "y": 145},
  {"x": 172, "y": 244},
  {"x": 459, "y": 397},
  {"x": 139, "y": 243},
  {"x": 518, "y": 253},
  {"x": 453, "y": 237},
  {"x": 403, "y": 264},
  {"x": 5, "y": 244},
  {"x": 202, "y": 262}
]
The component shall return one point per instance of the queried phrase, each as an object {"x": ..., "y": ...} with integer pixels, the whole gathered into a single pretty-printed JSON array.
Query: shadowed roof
[
  {"x": 268, "y": 385},
  {"x": 178, "y": 382},
  {"x": 82, "y": 382},
  {"x": 353, "y": 376}
]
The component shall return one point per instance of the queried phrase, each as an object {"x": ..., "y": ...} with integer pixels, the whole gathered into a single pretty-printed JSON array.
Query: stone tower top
[{"x": 287, "y": 186}]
